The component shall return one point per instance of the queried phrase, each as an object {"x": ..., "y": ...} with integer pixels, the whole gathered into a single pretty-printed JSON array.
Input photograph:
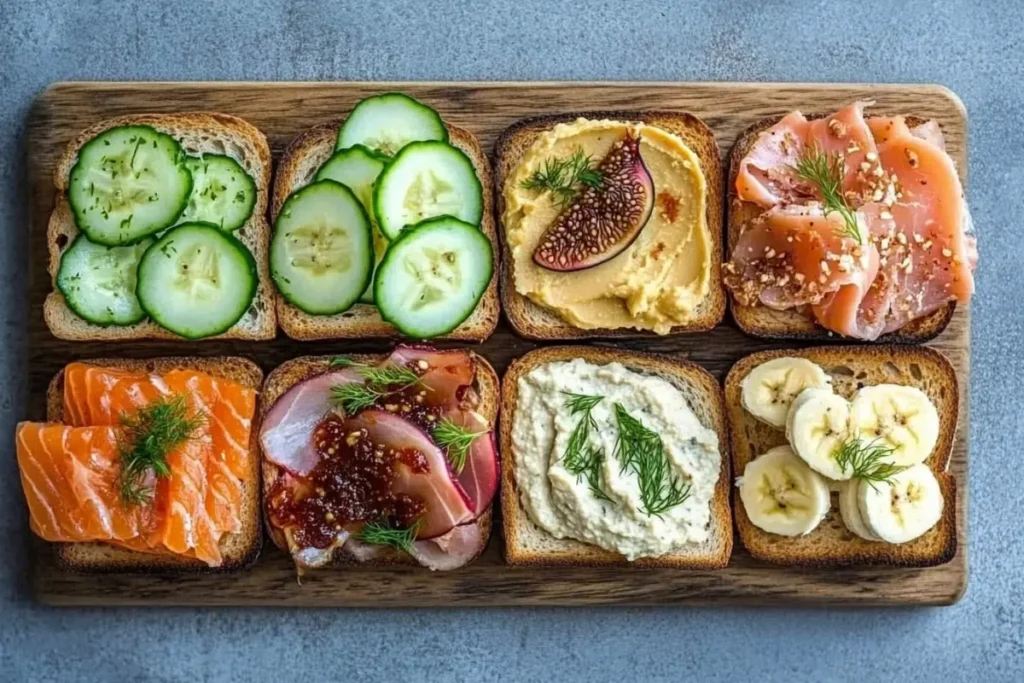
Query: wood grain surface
[{"x": 282, "y": 111}]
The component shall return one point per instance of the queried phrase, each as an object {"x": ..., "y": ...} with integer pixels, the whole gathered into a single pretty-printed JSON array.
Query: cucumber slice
[
  {"x": 321, "y": 254},
  {"x": 433, "y": 276},
  {"x": 222, "y": 192},
  {"x": 98, "y": 282},
  {"x": 357, "y": 168},
  {"x": 196, "y": 280},
  {"x": 425, "y": 180},
  {"x": 128, "y": 183},
  {"x": 387, "y": 123}
]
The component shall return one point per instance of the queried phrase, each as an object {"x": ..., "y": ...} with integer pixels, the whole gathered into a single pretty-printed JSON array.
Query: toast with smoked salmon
[{"x": 237, "y": 549}]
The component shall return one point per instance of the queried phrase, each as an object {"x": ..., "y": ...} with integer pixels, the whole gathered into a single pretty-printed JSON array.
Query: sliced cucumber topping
[
  {"x": 433, "y": 276},
  {"x": 196, "y": 280},
  {"x": 425, "y": 180},
  {"x": 387, "y": 123},
  {"x": 222, "y": 192},
  {"x": 98, "y": 282},
  {"x": 321, "y": 254},
  {"x": 357, "y": 168},
  {"x": 129, "y": 182}
]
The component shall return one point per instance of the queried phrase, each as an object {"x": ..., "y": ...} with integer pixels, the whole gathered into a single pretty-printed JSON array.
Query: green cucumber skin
[
  {"x": 80, "y": 221},
  {"x": 408, "y": 149},
  {"x": 249, "y": 181},
  {"x": 366, "y": 219},
  {"x": 69, "y": 297},
  {"x": 338, "y": 145},
  {"x": 406, "y": 234},
  {"x": 247, "y": 256}
]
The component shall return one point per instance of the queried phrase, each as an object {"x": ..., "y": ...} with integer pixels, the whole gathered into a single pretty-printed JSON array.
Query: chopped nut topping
[
  {"x": 912, "y": 158},
  {"x": 946, "y": 252},
  {"x": 901, "y": 238},
  {"x": 837, "y": 128},
  {"x": 871, "y": 156}
]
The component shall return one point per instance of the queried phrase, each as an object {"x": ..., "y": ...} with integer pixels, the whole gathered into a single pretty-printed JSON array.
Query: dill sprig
[
  {"x": 149, "y": 436},
  {"x": 581, "y": 458},
  {"x": 456, "y": 442},
  {"x": 864, "y": 460},
  {"x": 642, "y": 451},
  {"x": 563, "y": 177},
  {"x": 826, "y": 172},
  {"x": 378, "y": 381},
  {"x": 382, "y": 533}
]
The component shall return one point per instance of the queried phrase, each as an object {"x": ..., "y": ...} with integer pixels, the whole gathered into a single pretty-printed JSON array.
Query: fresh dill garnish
[
  {"x": 378, "y": 381},
  {"x": 382, "y": 533},
  {"x": 864, "y": 460},
  {"x": 456, "y": 442},
  {"x": 826, "y": 172},
  {"x": 563, "y": 177},
  {"x": 581, "y": 458},
  {"x": 642, "y": 451},
  {"x": 149, "y": 436}
]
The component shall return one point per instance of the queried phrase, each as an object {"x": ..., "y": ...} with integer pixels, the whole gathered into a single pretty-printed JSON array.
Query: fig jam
[{"x": 351, "y": 484}]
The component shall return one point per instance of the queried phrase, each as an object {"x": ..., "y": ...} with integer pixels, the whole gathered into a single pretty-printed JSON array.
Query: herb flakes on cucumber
[{"x": 222, "y": 192}]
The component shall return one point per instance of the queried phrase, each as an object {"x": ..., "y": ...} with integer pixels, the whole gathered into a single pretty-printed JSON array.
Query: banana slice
[
  {"x": 901, "y": 417},
  {"x": 782, "y": 495},
  {"x": 818, "y": 423},
  {"x": 769, "y": 389},
  {"x": 849, "y": 509},
  {"x": 904, "y": 508}
]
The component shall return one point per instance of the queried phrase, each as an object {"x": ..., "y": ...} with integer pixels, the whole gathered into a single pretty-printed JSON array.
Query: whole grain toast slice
[
  {"x": 761, "y": 321},
  {"x": 239, "y": 550},
  {"x": 296, "y": 169},
  {"x": 290, "y": 373},
  {"x": 528, "y": 545},
  {"x": 536, "y": 322},
  {"x": 198, "y": 133},
  {"x": 850, "y": 368}
]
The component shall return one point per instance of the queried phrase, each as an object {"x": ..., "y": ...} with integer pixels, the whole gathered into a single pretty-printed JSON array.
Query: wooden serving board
[{"x": 282, "y": 111}]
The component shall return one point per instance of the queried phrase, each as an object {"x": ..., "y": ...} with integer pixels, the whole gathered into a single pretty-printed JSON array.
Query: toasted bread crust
[
  {"x": 831, "y": 544},
  {"x": 296, "y": 169},
  {"x": 290, "y": 373},
  {"x": 580, "y": 554},
  {"x": 535, "y": 322},
  {"x": 239, "y": 550},
  {"x": 228, "y": 130},
  {"x": 761, "y": 321}
]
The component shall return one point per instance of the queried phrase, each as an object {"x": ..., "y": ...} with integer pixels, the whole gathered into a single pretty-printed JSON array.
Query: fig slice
[{"x": 602, "y": 221}]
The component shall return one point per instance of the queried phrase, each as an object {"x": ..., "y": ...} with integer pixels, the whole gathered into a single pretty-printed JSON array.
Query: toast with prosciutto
[
  {"x": 849, "y": 225},
  {"x": 381, "y": 459}
]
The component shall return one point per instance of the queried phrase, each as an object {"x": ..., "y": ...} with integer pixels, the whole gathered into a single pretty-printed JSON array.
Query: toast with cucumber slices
[
  {"x": 159, "y": 231},
  {"x": 383, "y": 227},
  {"x": 879, "y": 502}
]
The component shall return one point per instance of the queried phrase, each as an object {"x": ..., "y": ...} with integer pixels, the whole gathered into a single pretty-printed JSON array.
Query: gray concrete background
[{"x": 972, "y": 47}]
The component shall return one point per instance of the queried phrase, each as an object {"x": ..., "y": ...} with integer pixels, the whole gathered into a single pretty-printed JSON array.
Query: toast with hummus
[
  {"x": 237, "y": 549},
  {"x": 299, "y": 166},
  {"x": 872, "y": 518},
  {"x": 295, "y": 399},
  {"x": 95, "y": 291},
  {"x": 652, "y": 181},
  {"x": 793, "y": 323},
  {"x": 613, "y": 458}
]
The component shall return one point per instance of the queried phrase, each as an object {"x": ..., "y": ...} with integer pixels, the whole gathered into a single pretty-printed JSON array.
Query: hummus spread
[
  {"x": 565, "y": 505},
  {"x": 656, "y": 283}
]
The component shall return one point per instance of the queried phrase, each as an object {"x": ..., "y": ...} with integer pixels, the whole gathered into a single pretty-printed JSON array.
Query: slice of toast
[
  {"x": 290, "y": 373},
  {"x": 761, "y": 321},
  {"x": 529, "y": 545},
  {"x": 296, "y": 169},
  {"x": 536, "y": 322},
  {"x": 198, "y": 133},
  {"x": 239, "y": 550},
  {"x": 850, "y": 368}
]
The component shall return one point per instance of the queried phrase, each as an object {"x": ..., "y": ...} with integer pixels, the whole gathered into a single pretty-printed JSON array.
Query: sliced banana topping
[
  {"x": 900, "y": 417},
  {"x": 782, "y": 495},
  {"x": 849, "y": 509},
  {"x": 903, "y": 508},
  {"x": 817, "y": 425},
  {"x": 769, "y": 389}
]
